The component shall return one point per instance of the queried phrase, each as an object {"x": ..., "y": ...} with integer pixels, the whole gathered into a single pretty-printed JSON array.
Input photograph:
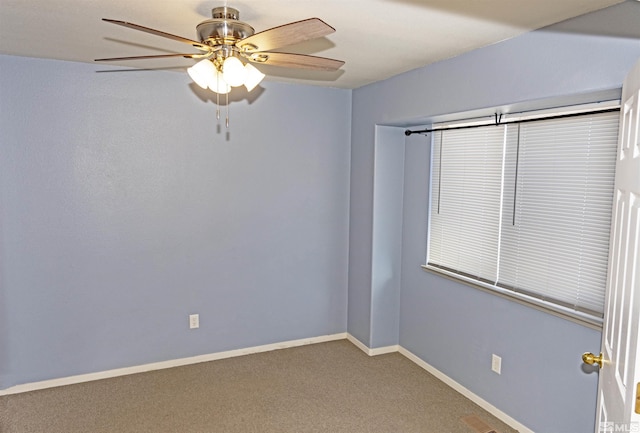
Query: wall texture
[
  {"x": 126, "y": 207},
  {"x": 453, "y": 327}
]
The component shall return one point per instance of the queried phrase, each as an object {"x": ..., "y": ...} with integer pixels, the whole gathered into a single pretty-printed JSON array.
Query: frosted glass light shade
[
  {"x": 219, "y": 85},
  {"x": 202, "y": 72},
  {"x": 254, "y": 77},
  {"x": 233, "y": 72}
]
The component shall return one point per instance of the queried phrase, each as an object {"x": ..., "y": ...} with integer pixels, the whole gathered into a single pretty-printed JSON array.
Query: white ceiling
[{"x": 376, "y": 38}]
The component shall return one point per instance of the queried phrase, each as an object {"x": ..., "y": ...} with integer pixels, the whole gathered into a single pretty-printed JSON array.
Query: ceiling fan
[{"x": 229, "y": 48}]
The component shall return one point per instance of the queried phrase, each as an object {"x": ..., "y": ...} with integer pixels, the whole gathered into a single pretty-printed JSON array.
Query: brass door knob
[{"x": 590, "y": 358}]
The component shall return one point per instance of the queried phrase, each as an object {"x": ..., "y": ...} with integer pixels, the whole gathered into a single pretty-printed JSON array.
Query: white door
[{"x": 620, "y": 372}]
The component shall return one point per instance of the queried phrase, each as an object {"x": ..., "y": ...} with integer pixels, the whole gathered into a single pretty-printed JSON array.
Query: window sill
[{"x": 538, "y": 304}]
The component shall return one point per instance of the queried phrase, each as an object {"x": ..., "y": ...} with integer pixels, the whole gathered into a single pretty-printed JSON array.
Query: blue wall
[
  {"x": 451, "y": 326},
  {"x": 4, "y": 329},
  {"x": 125, "y": 209},
  {"x": 387, "y": 238}
]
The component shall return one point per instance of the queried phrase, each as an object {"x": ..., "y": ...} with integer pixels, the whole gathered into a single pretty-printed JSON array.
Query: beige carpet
[{"x": 328, "y": 387}]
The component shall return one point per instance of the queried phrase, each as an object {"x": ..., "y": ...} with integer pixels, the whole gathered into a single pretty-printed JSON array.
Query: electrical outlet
[
  {"x": 496, "y": 363},
  {"x": 194, "y": 321}
]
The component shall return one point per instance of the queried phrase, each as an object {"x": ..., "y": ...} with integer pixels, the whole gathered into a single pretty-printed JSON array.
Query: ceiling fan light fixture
[
  {"x": 202, "y": 72},
  {"x": 218, "y": 84},
  {"x": 254, "y": 77},
  {"x": 234, "y": 72}
]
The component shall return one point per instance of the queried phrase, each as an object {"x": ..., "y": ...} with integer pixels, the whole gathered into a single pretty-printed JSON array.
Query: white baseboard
[
  {"x": 444, "y": 378},
  {"x": 71, "y": 380},
  {"x": 372, "y": 352},
  {"x": 266, "y": 348},
  {"x": 468, "y": 394}
]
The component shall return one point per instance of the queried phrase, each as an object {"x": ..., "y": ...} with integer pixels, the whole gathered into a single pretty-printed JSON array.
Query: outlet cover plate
[
  {"x": 194, "y": 321},
  {"x": 496, "y": 363}
]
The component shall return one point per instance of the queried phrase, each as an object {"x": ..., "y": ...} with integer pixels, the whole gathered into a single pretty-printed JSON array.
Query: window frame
[{"x": 577, "y": 316}]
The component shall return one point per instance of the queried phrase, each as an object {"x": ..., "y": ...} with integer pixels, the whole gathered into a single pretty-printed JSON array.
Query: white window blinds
[
  {"x": 527, "y": 207},
  {"x": 466, "y": 199}
]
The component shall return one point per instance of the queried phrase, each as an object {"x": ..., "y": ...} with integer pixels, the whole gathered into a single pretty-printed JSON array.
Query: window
[{"x": 524, "y": 208}]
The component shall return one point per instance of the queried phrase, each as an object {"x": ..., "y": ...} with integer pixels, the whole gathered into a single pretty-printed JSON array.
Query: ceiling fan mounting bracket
[
  {"x": 224, "y": 28},
  {"x": 225, "y": 12}
]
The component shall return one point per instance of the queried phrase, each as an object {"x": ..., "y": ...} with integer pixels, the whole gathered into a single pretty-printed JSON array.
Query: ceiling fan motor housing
[{"x": 224, "y": 28}]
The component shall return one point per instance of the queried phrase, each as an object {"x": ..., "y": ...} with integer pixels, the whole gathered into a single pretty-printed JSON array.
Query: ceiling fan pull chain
[
  {"x": 217, "y": 106},
  {"x": 227, "y": 121}
]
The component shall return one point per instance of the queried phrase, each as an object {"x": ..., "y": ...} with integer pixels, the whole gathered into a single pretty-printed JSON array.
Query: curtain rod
[{"x": 499, "y": 121}]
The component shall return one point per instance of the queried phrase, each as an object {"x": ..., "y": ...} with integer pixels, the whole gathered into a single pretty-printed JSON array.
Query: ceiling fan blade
[
  {"x": 287, "y": 34},
  {"x": 155, "y": 56},
  {"x": 292, "y": 60},
  {"x": 198, "y": 45}
]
